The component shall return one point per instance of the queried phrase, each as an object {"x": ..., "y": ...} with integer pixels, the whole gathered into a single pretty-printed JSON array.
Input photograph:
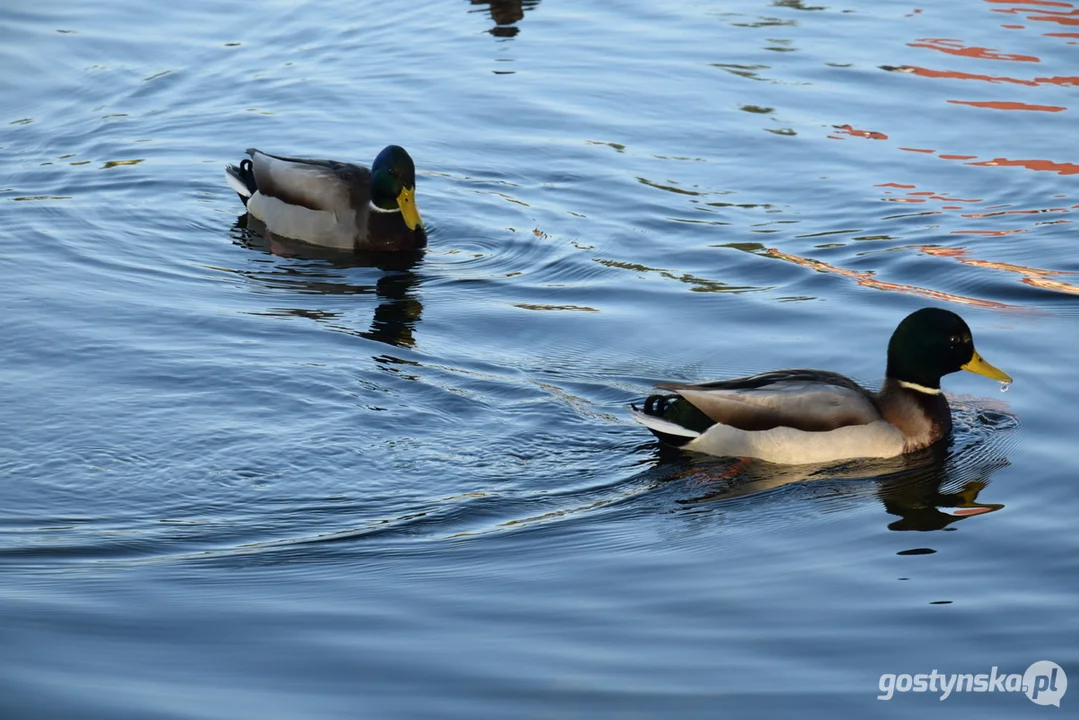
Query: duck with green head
[
  {"x": 334, "y": 204},
  {"x": 816, "y": 416}
]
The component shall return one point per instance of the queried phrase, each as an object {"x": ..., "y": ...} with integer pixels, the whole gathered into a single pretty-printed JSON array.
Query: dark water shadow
[
  {"x": 926, "y": 490},
  {"x": 308, "y": 270},
  {"x": 506, "y": 14}
]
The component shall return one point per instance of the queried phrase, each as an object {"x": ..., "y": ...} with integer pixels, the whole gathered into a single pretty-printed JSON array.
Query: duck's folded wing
[
  {"x": 320, "y": 185},
  {"x": 810, "y": 400}
]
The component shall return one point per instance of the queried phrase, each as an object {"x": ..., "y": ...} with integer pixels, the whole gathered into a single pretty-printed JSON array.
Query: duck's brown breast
[{"x": 923, "y": 418}]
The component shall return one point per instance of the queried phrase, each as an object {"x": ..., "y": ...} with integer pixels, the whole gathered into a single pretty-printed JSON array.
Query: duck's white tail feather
[
  {"x": 232, "y": 176},
  {"x": 663, "y": 426}
]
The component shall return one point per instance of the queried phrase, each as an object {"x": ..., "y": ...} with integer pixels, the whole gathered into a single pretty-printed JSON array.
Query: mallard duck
[
  {"x": 816, "y": 416},
  {"x": 334, "y": 204}
]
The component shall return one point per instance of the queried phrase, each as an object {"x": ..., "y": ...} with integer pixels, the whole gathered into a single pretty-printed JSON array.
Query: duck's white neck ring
[
  {"x": 376, "y": 208},
  {"x": 919, "y": 388}
]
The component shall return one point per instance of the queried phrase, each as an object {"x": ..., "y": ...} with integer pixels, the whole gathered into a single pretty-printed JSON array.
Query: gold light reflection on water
[
  {"x": 574, "y": 308},
  {"x": 865, "y": 278},
  {"x": 120, "y": 163},
  {"x": 698, "y": 284}
]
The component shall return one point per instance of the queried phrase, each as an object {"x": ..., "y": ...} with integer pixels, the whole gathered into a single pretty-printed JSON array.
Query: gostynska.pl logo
[{"x": 1044, "y": 683}]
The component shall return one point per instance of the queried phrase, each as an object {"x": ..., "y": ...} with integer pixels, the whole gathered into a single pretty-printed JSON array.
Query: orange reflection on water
[
  {"x": 1066, "y": 81},
  {"x": 871, "y": 134},
  {"x": 1038, "y": 165},
  {"x": 922, "y": 195},
  {"x": 989, "y": 211},
  {"x": 1004, "y": 105},
  {"x": 1015, "y": 212},
  {"x": 937, "y": 196},
  {"x": 866, "y": 279},
  {"x": 1047, "y": 3},
  {"x": 1035, "y": 277},
  {"x": 956, "y": 75},
  {"x": 988, "y": 233},
  {"x": 1041, "y": 12},
  {"x": 956, "y": 47},
  {"x": 1053, "y": 285},
  {"x": 1063, "y": 81},
  {"x": 1057, "y": 18},
  {"x": 1057, "y": 10}
]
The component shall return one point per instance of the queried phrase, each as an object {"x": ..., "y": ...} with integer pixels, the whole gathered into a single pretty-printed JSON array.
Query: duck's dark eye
[{"x": 954, "y": 339}]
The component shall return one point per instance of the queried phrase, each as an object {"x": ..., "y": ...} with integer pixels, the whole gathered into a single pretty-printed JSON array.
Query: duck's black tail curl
[
  {"x": 242, "y": 179},
  {"x": 656, "y": 405},
  {"x": 677, "y": 410}
]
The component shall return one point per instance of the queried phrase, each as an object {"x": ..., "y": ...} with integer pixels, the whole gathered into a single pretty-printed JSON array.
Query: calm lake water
[{"x": 242, "y": 481}]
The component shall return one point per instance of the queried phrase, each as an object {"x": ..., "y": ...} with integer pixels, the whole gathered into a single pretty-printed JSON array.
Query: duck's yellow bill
[
  {"x": 979, "y": 366},
  {"x": 407, "y": 202}
]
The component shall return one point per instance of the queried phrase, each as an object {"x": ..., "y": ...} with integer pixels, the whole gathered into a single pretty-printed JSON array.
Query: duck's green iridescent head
[
  {"x": 393, "y": 184},
  {"x": 931, "y": 343}
]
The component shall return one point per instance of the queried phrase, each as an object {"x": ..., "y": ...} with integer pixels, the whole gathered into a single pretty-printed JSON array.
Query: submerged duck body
[
  {"x": 816, "y": 416},
  {"x": 333, "y": 204}
]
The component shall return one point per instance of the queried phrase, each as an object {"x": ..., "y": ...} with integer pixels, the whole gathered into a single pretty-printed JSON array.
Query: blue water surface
[{"x": 242, "y": 480}]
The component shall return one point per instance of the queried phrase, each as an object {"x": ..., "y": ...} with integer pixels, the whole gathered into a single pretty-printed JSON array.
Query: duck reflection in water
[
  {"x": 399, "y": 308},
  {"x": 506, "y": 14},
  {"x": 927, "y": 490}
]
